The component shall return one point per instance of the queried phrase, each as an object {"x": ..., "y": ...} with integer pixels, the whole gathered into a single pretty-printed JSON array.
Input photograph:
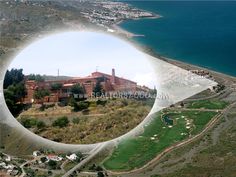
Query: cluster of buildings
[
  {"x": 10, "y": 165},
  {"x": 102, "y": 13},
  {"x": 207, "y": 74},
  {"x": 107, "y": 13},
  {"x": 203, "y": 73},
  {"x": 110, "y": 84},
  {"x": 54, "y": 157},
  {"x": 7, "y": 165}
]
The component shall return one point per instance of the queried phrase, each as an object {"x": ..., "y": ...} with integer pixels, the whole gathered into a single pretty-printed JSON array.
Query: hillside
[{"x": 102, "y": 121}]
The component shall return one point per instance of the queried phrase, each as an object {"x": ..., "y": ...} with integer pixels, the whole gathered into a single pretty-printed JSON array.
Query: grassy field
[
  {"x": 207, "y": 104},
  {"x": 69, "y": 165},
  {"x": 212, "y": 159},
  {"x": 157, "y": 136}
]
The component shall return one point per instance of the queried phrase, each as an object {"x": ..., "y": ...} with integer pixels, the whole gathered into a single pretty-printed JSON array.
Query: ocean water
[{"x": 202, "y": 33}]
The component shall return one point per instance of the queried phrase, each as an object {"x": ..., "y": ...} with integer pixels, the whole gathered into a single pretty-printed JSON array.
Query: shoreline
[
  {"x": 185, "y": 65},
  {"x": 149, "y": 50},
  {"x": 119, "y": 30},
  {"x": 219, "y": 77}
]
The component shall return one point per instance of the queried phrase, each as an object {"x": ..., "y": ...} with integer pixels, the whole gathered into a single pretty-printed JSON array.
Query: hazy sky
[{"x": 78, "y": 54}]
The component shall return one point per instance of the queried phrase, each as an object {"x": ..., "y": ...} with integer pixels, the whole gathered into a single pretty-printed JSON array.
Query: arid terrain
[{"x": 102, "y": 121}]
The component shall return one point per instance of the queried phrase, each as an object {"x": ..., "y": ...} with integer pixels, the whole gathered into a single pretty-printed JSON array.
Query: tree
[
  {"x": 98, "y": 90},
  {"x": 36, "y": 77},
  {"x": 40, "y": 124},
  {"x": 14, "y": 95},
  {"x": 72, "y": 102},
  {"x": 78, "y": 106},
  {"x": 19, "y": 91},
  {"x": 43, "y": 159},
  {"x": 79, "y": 156},
  {"x": 14, "y": 76},
  {"x": 56, "y": 86},
  {"x": 28, "y": 123},
  {"x": 77, "y": 90},
  {"x": 82, "y": 105},
  {"x": 40, "y": 94},
  {"x": 1, "y": 155},
  {"x": 14, "y": 90},
  {"x": 100, "y": 174},
  {"x": 61, "y": 122},
  {"x": 98, "y": 168},
  {"x": 50, "y": 173},
  {"x": 11, "y": 102},
  {"x": 52, "y": 164}
]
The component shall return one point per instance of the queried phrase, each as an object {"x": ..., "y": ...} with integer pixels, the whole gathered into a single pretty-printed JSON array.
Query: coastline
[
  {"x": 149, "y": 50},
  {"x": 128, "y": 35},
  {"x": 220, "y": 78},
  {"x": 120, "y": 31}
]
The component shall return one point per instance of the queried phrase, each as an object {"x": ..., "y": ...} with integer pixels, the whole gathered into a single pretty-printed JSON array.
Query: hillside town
[
  {"x": 108, "y": 13},
  {"x": 45, "y": 162},
  {"x": 103, "y": 14}
]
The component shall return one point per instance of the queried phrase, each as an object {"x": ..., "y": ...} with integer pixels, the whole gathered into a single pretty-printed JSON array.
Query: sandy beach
[{"x": 120, "y": 31}]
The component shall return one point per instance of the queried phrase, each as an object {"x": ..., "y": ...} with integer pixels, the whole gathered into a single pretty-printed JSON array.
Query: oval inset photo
[{"x": 80, "y": 87}]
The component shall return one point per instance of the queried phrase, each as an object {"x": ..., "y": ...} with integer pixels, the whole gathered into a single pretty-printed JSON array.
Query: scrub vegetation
[{"x": 101, "y": 120}]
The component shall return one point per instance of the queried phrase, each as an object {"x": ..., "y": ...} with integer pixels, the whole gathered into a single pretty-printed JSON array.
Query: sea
[{"x": 202, "y": 33}]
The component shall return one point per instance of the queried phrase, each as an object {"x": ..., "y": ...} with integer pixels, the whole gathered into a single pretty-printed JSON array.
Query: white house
[
  {"x": 36, "y": 153},
  {"x": 2, "y": 164},
  {"x": 110, "y": 30},
  {"x": 9, "y": 167},
  {"x": 72, "y": 157},
  {"x": 8, "y": 158}
]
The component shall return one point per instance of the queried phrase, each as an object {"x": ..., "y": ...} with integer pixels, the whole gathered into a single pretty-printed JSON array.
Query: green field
[
  {"x": 207, "y": 104},
  {"x": 69, "y": 165},
  {"x": 136, "y": 152}
]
